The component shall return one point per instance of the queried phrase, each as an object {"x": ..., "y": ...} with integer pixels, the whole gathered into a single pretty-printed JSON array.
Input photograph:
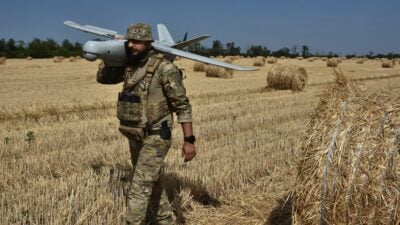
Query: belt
[
  {"x": 128, "y": 123},
  {"x": 147, "y": 132},
  {"x": 153, "y": 132}
]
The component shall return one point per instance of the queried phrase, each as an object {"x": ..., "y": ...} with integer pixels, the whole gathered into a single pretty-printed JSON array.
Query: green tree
[
  {"x": 2, "y": 47},
  {"x": 217, "y": 48},
  {"x": 11, "y": 48},
  {"x": 231, "y": 49},
  {"x": 36, "y": 49},
  {"x": 305, "y": 51},
  {"x": 282, "y": 52},
  {"x": 258, "y": 50},
  {"x": 67, "y": 48}
]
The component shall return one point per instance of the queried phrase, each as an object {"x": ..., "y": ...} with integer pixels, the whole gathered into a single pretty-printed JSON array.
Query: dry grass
[
  {"x": 76, "y": 169},
  {"x": 349, "y": 166},
  {"x": 287, "y": 77}
]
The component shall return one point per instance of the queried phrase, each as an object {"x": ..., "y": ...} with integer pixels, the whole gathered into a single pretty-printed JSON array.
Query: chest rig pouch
[{"x": 132, "y": 101}]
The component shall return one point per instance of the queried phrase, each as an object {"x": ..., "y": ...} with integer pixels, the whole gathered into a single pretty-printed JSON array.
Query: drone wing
[
  {"x": 189, "y": 55},
  {"x": 93, "y": 30}
]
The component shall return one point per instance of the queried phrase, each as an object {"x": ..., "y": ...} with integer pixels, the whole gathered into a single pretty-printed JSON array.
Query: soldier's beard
[{"x": 136, "y": 58}]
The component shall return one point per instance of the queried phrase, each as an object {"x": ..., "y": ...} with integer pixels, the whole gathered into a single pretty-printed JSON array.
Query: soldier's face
[{"x": 138, "y": 47}]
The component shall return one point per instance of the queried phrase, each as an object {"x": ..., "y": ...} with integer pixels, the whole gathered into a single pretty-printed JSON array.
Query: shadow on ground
[
  {"x": 282, "y": 213},
  {"x": 119, "y": 182}
]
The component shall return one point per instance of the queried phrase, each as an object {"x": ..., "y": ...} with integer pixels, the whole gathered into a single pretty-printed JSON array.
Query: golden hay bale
[
  {"x": 259, "y": 62},
  {"x": 29, "y": 58},
  {"x": 283, "y": 57},
  {"x": 300, "y": 58},
  {"x": 387, "y": 64},
  {"x": 261, "y": 58},
  {"x": 272, "y": 60},
  {"x": 3, "y": 60},
  {"x": 215, "y": 71},
  {"x": 58, "y": 59},
  {"x": 228, "y": 59},
  {"x": 324, "y": 59},
  {"x": 332, "y": 62},
  {"x": 349, "y": 159},
  {"x": 72, "y": 59},
  {"x": 199, "y": 67},
  {"x": 360, "y": 61},
  {"x": 287, "y": 77}
]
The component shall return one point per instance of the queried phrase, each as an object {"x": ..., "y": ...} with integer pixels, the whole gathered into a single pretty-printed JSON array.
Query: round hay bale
[
  {"x": 228, "y": 59},
  {"x": 287, "y": 77},
  {"x": 72, "y": 59},
  {"x": 215, "y": 71},
  {"x": 360, "y": 61},
  {"x": 324, "y": 59},
  {"x": 58, "y": 59},
  {"x": 387, "y": 64},
  {"x": 311, "y": 60},
  {"x": 259, "y": 62},
  {"x": 29, "y": 58},
  {"x": 272, "y": 60},
  {"x": 262, "y": 58},
  {"x": 348, "y": 169},
  {"x": 332, "y": 62},
  {"x": 3, "y": 60},
  {"x": 199, "y": 67}
]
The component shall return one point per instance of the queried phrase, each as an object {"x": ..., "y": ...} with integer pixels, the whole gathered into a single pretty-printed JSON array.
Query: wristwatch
[{"x": 190, "y": 139}]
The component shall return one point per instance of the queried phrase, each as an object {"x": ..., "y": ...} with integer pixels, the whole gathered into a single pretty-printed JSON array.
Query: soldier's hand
[{"x": 188, "y": 151}]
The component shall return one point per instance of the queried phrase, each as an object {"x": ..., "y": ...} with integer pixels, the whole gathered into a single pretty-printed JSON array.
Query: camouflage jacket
[{"x": 167, "y": 79}]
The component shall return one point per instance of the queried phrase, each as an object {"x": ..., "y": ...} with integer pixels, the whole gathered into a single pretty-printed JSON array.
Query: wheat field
[{"x": 63, "y": 161}]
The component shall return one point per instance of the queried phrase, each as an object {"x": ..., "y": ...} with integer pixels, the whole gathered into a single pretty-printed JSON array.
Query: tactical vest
[{"x": 135, "y": 107}]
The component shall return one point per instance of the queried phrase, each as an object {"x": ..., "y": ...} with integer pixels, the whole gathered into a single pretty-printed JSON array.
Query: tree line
[
  {"x": 218, "y": 48},
  {"x": 38, "y": 48},
  {"x": 49, "y": 48}
]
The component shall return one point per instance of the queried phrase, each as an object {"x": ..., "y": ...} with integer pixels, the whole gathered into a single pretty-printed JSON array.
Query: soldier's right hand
[{"x": 188, "y": 151}]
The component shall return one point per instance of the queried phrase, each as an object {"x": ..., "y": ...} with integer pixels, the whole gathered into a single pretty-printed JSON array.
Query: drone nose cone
[{"x": 92, "y": 50}]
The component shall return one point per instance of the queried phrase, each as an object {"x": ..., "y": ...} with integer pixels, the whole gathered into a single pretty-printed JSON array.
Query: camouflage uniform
[{"x": 152, "y": 90}]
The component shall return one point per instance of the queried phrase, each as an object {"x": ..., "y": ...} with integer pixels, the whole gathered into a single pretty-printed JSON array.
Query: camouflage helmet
[{"x": 140, "y": 32}]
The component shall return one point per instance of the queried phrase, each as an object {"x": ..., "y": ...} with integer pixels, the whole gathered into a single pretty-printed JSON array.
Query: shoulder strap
[{"x": 152, "y": 67}]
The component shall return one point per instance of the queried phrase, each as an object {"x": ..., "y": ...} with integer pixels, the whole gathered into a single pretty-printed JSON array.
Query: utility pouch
[
  {"x": 133, "y": 133},
  {"x": 165, "y": 131},
  {"x": 129, "y": 107}
]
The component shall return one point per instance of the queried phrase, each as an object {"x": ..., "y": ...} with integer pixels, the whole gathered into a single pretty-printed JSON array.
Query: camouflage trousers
[{"x": 147, "y": 199}]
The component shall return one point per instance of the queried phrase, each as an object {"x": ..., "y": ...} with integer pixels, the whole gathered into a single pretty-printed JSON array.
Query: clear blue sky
[{"x": 341, "y": 26}]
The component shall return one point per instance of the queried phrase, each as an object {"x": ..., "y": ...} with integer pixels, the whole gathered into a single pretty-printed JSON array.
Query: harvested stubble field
[{"x": 63, "y": 161}]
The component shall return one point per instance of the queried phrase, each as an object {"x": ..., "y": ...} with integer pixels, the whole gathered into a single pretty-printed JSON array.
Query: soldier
[{"x": 152, "y": 90}]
